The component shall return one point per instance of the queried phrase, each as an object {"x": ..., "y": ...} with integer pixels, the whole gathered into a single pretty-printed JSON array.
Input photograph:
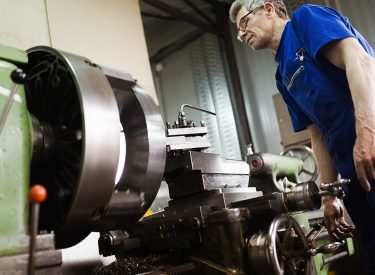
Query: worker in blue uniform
[{"x": 326, "y": 75}]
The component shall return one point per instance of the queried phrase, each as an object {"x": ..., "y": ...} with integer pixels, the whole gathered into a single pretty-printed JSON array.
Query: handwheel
[
  {"x": 282, "y": 250},
  {"x": 310, "y": 170}
]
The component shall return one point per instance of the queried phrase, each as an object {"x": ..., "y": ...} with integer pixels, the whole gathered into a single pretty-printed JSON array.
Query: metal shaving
[{"x": 130, "y": 266}]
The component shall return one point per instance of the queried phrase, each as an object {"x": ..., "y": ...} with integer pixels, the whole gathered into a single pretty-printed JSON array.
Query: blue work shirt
[{"x": 316, "y": 91}]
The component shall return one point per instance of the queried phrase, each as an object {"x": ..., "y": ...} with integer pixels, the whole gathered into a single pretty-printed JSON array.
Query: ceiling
[
  {"x": 152, "y": 14},
  {"x": 170, "y": 25}
]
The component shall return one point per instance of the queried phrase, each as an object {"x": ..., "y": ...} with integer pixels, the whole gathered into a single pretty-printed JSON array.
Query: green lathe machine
[{"x": 95, "y": 141}]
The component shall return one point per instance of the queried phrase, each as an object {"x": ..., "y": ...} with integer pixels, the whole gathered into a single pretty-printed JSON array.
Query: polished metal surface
[
  {"x": 82, "y": 117},
  {"x": 188, "y": 131},
  {"x": 183, "y": 143},
  {"x": 277, "y": 248},
  {"x": 145, "y": 152},
  {"x": 187, "y": 138},
  {"x": 194, "y": 172},
  {"x": 258, "y": 253},
  {"x": 305, "y": 196},
  {"x": 208, "y": 163},
  {"x": 220, "y": 199},
  {"x": 281, "y": 250},
  {"x": 334, "y": 188},
  {"x": 183, "y": 135},
  {"x": 8, "y": 104},
  {"x": 96, "y": 136}
]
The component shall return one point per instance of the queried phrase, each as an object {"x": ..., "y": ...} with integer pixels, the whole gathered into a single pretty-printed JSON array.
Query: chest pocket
[{"x": 294, "y": 70}]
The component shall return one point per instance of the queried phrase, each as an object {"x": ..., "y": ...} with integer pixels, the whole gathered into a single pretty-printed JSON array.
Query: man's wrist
[
  {"x": 364, "y": 124},
  {"x": 328, "y": 199}
]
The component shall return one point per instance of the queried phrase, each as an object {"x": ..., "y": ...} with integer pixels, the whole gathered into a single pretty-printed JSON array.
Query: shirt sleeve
[
  {"x": 316, "y": 26},
  {"x": 299, "y": 119}
]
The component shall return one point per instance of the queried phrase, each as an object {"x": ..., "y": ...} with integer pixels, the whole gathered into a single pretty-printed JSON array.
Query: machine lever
[
  {"x": 316, "y": 230},
  {"x": 18, "y": 76},
  {"x": 334, "y": 189},
  {"x": 326, "y": 249},
  {"x": 181, "y": 114},
  {"x": 330, "y": 247},
  {"x": 339, "y": 183},
  {"x": 37, "y": 195},
  {"x": 195, "y": 108}
]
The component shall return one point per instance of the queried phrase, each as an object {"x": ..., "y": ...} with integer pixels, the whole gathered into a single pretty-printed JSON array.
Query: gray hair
[{"x": 250, "y": 5}]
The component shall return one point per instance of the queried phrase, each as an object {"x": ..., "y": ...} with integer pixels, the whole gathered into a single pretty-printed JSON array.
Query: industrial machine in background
[{"x": 96, "y": 141}]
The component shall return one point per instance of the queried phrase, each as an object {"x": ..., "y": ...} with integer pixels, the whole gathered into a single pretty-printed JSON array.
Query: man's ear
[{"x": 269, "y": 8}]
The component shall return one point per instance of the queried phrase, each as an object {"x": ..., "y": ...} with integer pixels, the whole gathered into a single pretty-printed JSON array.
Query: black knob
[
  {"x": 105, "y": 244},
  {"x": 18, "y": 76}
]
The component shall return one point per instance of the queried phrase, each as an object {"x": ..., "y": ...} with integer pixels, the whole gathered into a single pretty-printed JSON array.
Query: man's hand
[
  {"x": 364, "y": 152},
  {"x": 334, "y": 219}
]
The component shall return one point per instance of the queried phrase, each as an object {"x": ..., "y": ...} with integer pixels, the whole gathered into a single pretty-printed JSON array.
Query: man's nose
[{"x": 241, "y": 35}]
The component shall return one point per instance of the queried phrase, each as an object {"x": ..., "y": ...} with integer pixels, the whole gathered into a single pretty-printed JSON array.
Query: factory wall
[
  {"x": 195, "y": 75},
  {"x": 361, "y": 15},
  {"x": 23, "y": 24},
  {"x": 257, "y": 71},
  {"x": 108, "y": 32}
]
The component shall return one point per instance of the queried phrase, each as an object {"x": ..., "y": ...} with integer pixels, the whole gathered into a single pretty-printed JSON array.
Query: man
[{"x": 326, "y": 75}]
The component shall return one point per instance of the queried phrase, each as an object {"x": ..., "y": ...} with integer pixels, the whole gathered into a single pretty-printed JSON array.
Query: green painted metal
[
  {"x": 321, "y": 269},
  {"x": 350, "y": 246},
  {"x": 303, "y": 221},
  {"x": 287, "y": 167},
  {"x": 15, "y": 158}
]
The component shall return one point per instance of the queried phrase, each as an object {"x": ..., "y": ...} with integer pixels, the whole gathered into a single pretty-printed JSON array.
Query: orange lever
[{"x": 37, "y": 195}]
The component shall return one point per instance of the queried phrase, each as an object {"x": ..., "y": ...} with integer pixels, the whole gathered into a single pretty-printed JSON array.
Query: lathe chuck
[{"x": 81, "y": 114}]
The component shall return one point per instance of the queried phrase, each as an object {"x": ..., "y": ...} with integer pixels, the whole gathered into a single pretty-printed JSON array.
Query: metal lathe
[{"x": 95, "y": 140}]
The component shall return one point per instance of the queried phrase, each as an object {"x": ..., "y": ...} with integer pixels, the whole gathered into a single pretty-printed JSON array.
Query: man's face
[{"x": 254, "y": 28}]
